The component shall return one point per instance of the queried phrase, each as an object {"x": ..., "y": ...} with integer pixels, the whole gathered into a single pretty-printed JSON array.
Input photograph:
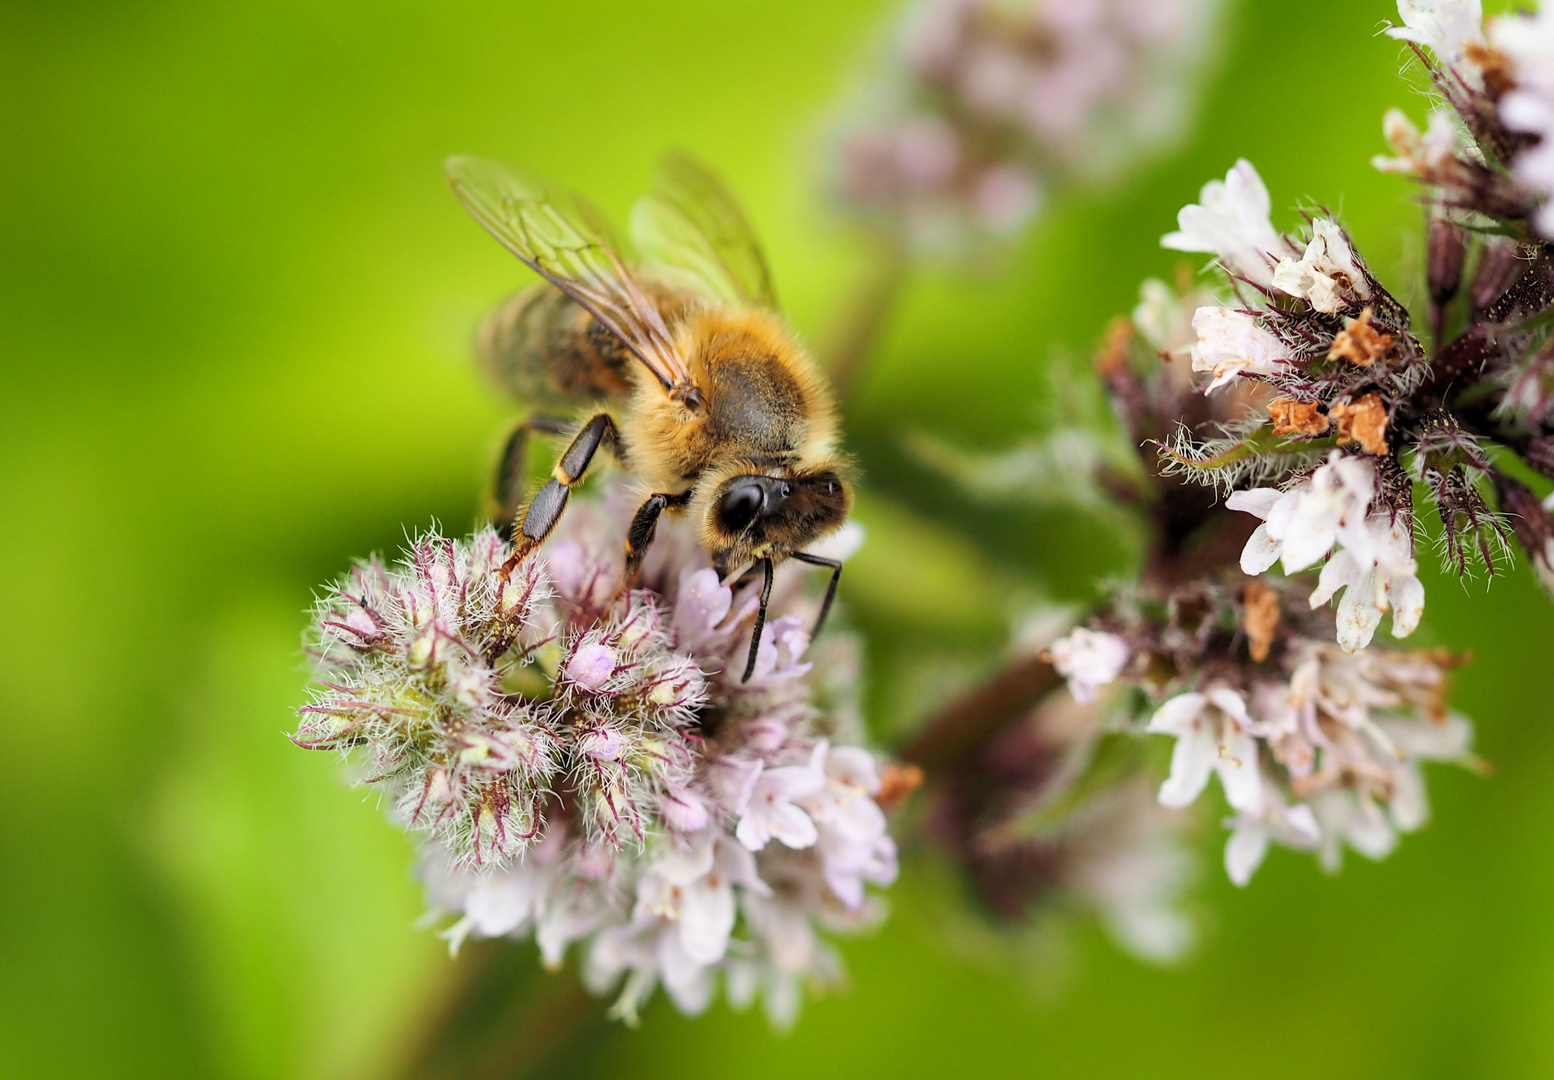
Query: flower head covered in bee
[
  {"x": 589, "y": 768},
  {"x": 984, "y": 103}
]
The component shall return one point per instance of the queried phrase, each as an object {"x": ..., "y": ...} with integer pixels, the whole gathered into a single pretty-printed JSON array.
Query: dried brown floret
[
  {"x": 1292, "y": 417},
  {"x": 1260, "y": 619},
  {"x": 1114, "y": 348},
  {"x": 1363, "y": 422},
  {"x": 1360, "y": 343},
  {"x": 897, "y": 782}
]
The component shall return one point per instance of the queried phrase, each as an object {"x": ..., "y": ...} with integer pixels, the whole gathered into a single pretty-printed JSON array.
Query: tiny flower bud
[
  {"x": 477, "y": 750},
  {"x": 1539, "y": 454},
  {"x": 467, "y": 685},
  {"x": 423, "y": 650},
  {"x": 365, "y": 626},
  {"x": 602, "y": 743},
  {"x": 1531, "y": 522},
  {"x": 514, "y": 593},
  {"x": 439, "y": 786},
  {"x": 591, "y": 665},
  {"x": 1499, "y": 265},
  {"x": 685, "y": 811},
  {"x": 1447, "y": 250}
]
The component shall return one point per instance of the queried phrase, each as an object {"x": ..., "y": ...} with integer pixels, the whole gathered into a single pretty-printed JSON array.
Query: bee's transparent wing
[
  {"x": 692, "y": 228},
  {"x": 561, "y": 238}
]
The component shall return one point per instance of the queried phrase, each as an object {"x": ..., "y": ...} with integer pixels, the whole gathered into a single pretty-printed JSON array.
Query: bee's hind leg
[
  {"x": 506, "y": 497},
  {"x": 639, "y": 537},
  {"x": 547, "y": 506},
  {"x": 835, "y": 566}
]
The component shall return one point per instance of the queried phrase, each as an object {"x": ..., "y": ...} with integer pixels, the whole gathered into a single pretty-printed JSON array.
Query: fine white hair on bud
[
  {"x": 410, "y": 662},
  {"x": 586, "y": 766}
]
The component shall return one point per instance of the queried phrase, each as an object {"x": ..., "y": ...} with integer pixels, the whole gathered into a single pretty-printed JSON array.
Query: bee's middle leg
[{"x": 547, "y": 506}]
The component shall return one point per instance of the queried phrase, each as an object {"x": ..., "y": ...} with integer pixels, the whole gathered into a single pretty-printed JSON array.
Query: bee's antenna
[{"x": 760, "y": 619}]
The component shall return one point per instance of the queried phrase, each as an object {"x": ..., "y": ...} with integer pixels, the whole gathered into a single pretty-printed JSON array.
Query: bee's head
[{"x": 750, "y": 514}]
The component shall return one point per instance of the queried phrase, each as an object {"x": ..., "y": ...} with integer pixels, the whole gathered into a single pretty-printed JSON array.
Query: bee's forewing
[{"x": 561, "y": 238}]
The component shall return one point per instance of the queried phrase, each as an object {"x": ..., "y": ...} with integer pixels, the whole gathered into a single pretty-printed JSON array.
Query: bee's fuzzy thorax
[{"x": 761, "y": 401}]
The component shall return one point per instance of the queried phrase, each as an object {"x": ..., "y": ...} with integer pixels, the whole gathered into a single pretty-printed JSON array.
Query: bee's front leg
[{"x": 760, "y": 618}]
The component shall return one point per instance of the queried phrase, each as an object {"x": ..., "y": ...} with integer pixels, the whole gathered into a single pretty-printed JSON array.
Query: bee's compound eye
[
  {"x": 833, "y": 488},
  {"x": 739, "y": 507}
]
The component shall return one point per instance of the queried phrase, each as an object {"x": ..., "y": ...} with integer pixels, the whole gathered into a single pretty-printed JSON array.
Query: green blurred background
[{"x": 235, "y": 302}]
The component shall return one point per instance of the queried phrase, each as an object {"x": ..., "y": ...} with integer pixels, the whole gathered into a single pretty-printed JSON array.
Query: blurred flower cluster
[
  {"x": 1047, "y": 810},
  {"x": 587, "y": 767},
  {"x": 982, "y": 104},
  {"x": 1316, "y": 745}
]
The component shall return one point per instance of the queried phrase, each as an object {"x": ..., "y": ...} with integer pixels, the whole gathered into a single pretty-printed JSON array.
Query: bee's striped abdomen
[{"x": 540, "y": 346}]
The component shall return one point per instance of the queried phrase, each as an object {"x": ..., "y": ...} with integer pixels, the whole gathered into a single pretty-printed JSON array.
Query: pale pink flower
[
  {"x": 694, "y": 889},
  {"x": 771, "y": 810},
  {"x": 591, "y": 665}
]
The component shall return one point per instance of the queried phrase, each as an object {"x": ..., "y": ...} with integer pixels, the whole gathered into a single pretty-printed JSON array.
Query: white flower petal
[
  {"x": 792, "y": 826},
  {"x": 1192, "y": 759},
  {"x": 1245, "y": 851},
  {"x": 1407, "y": 596},
  {"x": 1261, "y": 552},
  {"x": 1177, "y": 716},
  {"x": 1358, "y": 614},
  {"x": 1239, "y": 774},
  {"x": 1255, "y": 501}
]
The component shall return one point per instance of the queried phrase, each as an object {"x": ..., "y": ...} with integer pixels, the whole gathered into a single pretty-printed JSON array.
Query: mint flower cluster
[{"x": 584, "y": 764}]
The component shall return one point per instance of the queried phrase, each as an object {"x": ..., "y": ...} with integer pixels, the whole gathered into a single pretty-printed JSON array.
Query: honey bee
[{"x": 699, "y": 387}]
